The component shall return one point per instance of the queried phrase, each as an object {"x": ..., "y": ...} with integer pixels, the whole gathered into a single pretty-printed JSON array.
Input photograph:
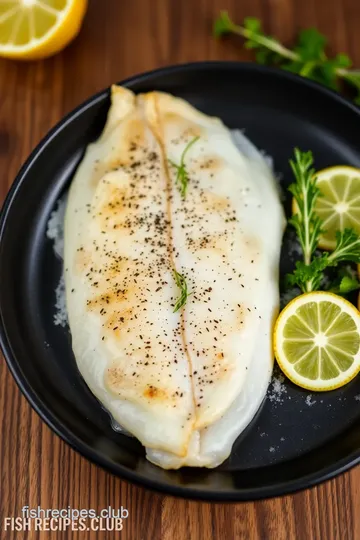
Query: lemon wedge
[
  {"x": 33, "y": 29},
  {"x": 339, "y": 204},
  {"x": 317, "y": 341}
]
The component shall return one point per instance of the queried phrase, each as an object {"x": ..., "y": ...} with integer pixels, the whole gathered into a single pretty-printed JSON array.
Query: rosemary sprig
[
  {"x": 182, "y": 285},
  {"x": 307, "y": 58},
  {"x": 309, "y": 273},
  {"x": 305, "y": 191},
  {"x": 182, "y": 176}
]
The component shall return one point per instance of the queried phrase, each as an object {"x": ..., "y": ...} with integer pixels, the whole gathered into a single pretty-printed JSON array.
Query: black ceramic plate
[{"x": 297, "y": 439}]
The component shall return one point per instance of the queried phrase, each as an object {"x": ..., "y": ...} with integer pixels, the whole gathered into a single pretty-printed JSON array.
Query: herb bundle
[{"x": 309, "y": 273}]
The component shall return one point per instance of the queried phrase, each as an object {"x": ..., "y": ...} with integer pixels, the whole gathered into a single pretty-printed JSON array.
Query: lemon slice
[
  {"x": 339, "y": 205},
  {"x": 31, "y": 29},
  {"x": 317, "y": 341}
]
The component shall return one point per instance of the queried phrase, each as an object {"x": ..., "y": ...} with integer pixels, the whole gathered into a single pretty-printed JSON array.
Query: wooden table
[{"x": 120, "y": 38}]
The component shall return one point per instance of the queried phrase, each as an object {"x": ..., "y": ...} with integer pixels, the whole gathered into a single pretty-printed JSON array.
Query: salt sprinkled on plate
[
  {"x": 55, "y": 227},
  {"x": 60, "y": 317},
  {"x": 55, "y": 232},
  {"x": 293, "y": 244},
  {"x": 288, "y": 295},
  {"x": 277, "y": 389},
  {"x": 308, "y": 400},
  {"x": 351, "y": 271}
]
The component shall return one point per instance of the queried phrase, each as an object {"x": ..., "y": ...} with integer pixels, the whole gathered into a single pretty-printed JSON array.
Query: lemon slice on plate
[
  {"x": 317, "y": 341},
  {"x": 339, "y": 205},
  {"x": 32, "y": 29}
]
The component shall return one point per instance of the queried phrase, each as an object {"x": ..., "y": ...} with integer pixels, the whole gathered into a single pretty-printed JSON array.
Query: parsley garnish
[{"x": 307, "y": 58}]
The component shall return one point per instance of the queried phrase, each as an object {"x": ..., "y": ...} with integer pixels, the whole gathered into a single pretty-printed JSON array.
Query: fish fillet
[{"x": 185, "y": 383}]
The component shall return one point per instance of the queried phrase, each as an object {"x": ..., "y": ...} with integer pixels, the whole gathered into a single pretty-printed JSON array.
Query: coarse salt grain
[
  {"x": 309, "y": 401},
  {"x": 277, "y": 389}
]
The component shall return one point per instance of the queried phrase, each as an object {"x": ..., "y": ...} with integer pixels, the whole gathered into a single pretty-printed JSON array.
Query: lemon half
[
  {"x": 317, "y": 341},
  {"x": 32, "y": 29}
]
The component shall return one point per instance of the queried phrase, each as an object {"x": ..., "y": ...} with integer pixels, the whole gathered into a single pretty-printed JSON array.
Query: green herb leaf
[
  {"x": 345, "y": 285},
  {"x": 345, "y": 282},
  {"x": 222, "y": 25},
  {"x": 343, "y": 60},
  {"x": 299, "y": 277},
  {"x": 311, "y": 45},
  {"x": 182, "y": 177},
  {"x": 182, "y": 285},
  {"x": 253, "y": 24},
  {"x": 308, "y": 277},
  {"x": 348, "y": 285},
  {"x": 328, "y": 74}
]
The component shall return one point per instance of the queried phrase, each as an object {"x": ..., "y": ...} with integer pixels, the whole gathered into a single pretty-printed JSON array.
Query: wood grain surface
[{"x": 120, "y": 38}]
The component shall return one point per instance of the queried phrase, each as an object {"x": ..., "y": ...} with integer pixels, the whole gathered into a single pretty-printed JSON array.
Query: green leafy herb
[
  {"x": 307, "y": 58},
  {"x": 182, "y": 177},
  {"x": 345, "y": 283},
  {"x": 181, "y": 283},
  {"x": 309, "y": 273}
]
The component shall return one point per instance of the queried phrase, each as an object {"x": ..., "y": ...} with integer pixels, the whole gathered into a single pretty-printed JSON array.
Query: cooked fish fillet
[
  {"x": 185, "y": 383},
  {"x": 212, "y": 445}
]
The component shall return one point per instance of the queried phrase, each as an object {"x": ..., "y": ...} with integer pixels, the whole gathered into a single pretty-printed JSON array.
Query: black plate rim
[{"x": 50, "y": 418}]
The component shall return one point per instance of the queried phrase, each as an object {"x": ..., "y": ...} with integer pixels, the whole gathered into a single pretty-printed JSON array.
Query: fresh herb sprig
[
  {"x": 182, "y": 176},
  {"x": 309, "y": 273},
  {"x": 182, "y": 285},
  {"x": 307, "y": 58},
  {"x": 305, "y": 191}
]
